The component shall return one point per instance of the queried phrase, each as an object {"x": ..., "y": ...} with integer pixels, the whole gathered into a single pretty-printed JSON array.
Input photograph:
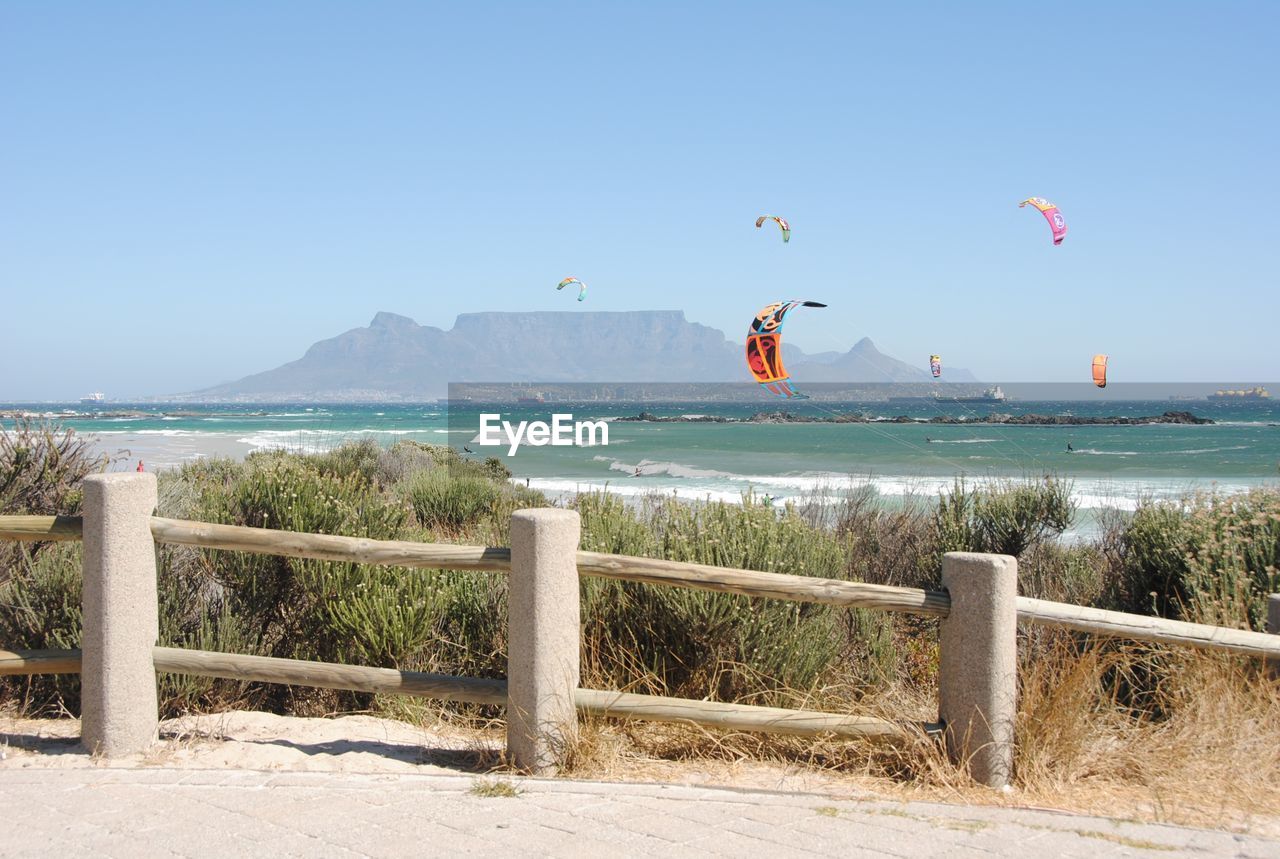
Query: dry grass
[{"x": 1128, "y": 732}]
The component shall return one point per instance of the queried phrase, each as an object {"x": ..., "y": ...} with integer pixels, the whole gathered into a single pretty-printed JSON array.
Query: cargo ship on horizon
[{"x": 1255, "y": 393}]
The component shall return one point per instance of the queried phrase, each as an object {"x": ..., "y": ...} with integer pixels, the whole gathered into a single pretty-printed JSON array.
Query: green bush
[
  {"x": 1007, "y": 517},
  {"x": 450, "y": 500},
  {"x": 40, "y": 610},
  {"x": 1209, "y": 558},
  {"x": 278, "y": 596},
  {"x": 693, "y": 643},
  {"x": 42, "y": 466},
  {"x": 354, "y": 459}
]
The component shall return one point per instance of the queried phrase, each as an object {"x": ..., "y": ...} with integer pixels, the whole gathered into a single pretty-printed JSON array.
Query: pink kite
[{"x": 1051, "y": 214}]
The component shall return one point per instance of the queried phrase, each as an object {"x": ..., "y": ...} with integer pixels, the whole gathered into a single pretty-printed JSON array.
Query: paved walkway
[{"x": 166, "y": 813}]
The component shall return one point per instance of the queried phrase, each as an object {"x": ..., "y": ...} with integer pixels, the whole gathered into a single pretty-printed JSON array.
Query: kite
[
  {"x": 935, "y": 365},
  {"x": 582, "y": 291},
  {"x": 1051, "y": 214},
  {"x": 764, "y": 348},
  {"x": 1100, "y": 370},
  {"x": 782, "y": 222}
]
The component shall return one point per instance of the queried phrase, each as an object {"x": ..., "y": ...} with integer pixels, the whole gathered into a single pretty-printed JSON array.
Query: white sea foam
[
  {"x": 164, "y": 432},
  {"x": 567, "y": 487},
  {"x": 964, "y": 440},
  {"x": 651, "y": 468},
  {"x": 831, "y": 487}
]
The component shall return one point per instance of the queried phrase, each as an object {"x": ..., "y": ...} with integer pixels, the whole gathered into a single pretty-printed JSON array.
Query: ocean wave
[
  {"x": 567, "y": 487},
  {"x": 1094, "y": 452},
  {"x": 1244, "y": 424},
  {"x": 832, "y": 488},
  {"x": 654, "y": 468},
  {"x": 964, "y": 441},
  {"x": 164, "y": 432}
]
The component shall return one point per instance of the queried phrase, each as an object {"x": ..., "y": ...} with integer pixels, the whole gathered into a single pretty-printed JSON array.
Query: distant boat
[
  {"x": 1258, "y": 393},
  {"x": 990, "y": 395},
  {"x": 94, "y": 399}
]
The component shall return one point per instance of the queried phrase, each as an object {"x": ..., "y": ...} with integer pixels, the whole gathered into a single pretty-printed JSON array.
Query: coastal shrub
[
  {"x": 693, "y": 643},
  {"x": 887, "y": 544},
  {"x": 40, "y": 610},
  {"x": 450, "y": 499},
  {"x": 194, "y": 618},
  {"x": 42, "y": 466},
  {"x": 1071, "y": 574},
  {"x": 1151, "y": 571},
  {"x": 283, "y": 492},
  {"x": 403, "y": 459},
  {"x": 1006, "y": 517},
  {"x": 1210, "y": 558},
  {"x": 381, "y": 616},
  {"x": 277, "y": 596},
  {"x": 359, "y": 458}
]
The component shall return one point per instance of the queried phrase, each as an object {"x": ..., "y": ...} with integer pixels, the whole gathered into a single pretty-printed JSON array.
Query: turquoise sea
[{"x": 1111, "y": 466}]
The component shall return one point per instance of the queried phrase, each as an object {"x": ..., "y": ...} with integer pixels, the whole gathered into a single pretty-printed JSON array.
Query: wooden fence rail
[
  {"x": 26, "y": 662},
  {"x": 472, "y": 690},
  {"x": 40, "y": 528},
  {"x": 657, "y": 571},
  {"x": 1118, "y": 624},
  {"x": 976, "y": 653}
]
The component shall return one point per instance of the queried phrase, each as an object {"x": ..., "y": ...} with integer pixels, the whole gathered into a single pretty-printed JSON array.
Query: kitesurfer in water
[{"x": 1070, "y": 449}]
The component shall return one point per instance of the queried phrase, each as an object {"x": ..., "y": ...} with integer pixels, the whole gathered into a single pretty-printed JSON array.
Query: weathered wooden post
[
  {"x": 544, "y": 628},
  {"x": 118, "y": 679},
  {"x": 978, "y": 680},
  {"x": 1273, "y": 627}
]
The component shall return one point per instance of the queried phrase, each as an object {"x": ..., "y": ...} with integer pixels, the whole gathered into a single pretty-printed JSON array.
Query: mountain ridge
[{"x": 395, "y": 357}]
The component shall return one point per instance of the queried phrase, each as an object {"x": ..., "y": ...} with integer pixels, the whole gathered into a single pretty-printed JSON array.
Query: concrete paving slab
[{"x": 184, "y": 813}]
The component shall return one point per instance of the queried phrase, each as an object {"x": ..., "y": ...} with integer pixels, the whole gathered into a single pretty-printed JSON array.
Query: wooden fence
[{"x": 979, "y": 610}]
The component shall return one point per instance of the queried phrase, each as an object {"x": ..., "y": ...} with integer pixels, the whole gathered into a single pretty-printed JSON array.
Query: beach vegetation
[
  {"x": 42, "y": 466},
  {"x": 1091, "y": 711}
]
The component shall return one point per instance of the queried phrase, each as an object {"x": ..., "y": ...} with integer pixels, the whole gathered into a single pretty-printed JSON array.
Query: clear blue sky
[{"x": 190, "y": 192}]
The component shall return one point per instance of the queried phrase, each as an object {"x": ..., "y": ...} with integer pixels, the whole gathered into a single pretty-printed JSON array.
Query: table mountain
[{"x": 395, "y": 358}]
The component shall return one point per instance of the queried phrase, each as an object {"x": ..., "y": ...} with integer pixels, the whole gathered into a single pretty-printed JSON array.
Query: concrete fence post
[
  {"x": 543, "y": 638},
  {"x": 121, "y": 619},
  {"x": 1273, "y": 627},
  {"x": 978, "y": 672}
]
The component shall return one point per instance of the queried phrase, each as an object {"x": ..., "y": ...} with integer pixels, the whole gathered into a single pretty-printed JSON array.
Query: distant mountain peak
[{"x": 394, "y": 321}]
